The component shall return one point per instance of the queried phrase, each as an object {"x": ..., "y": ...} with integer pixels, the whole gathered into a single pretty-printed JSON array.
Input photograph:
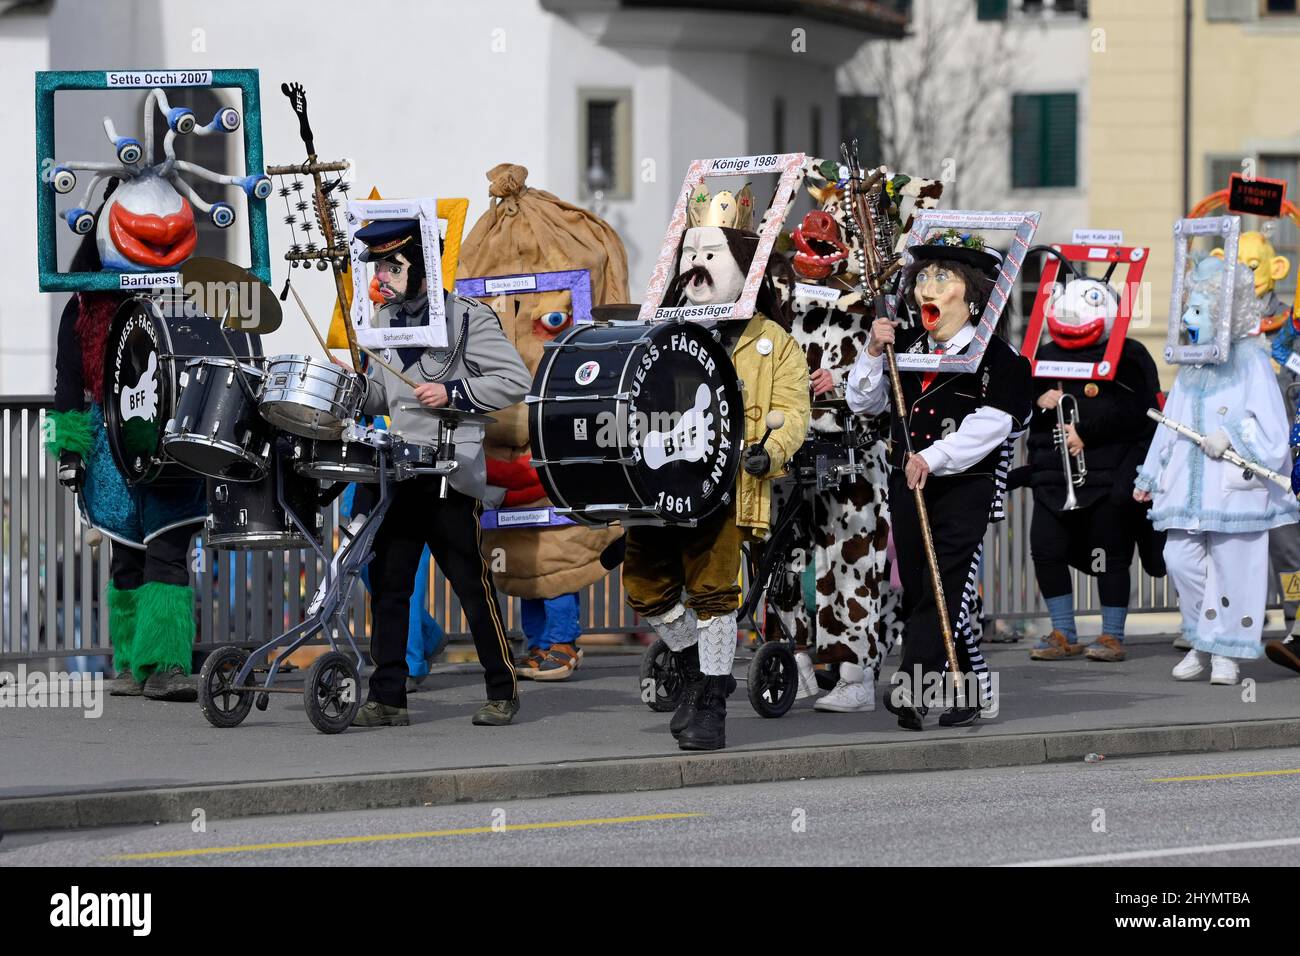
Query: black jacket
[{"x": 1113, "y": 424}]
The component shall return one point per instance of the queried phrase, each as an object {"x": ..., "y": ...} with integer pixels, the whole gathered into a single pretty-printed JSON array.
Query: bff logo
[
  {"x": 141, "y": 400},
  {"x": 586, "y": 373}
]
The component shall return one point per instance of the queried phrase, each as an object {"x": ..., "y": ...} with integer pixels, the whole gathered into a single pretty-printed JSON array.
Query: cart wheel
[
  {"x": 221, "y": 702},
  {"x": 773, "y": 680},
  {"x": 661, "y": 682},
  {"x": 331, "y": 694}
]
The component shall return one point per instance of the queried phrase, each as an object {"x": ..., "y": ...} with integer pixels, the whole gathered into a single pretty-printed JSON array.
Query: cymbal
[
  {"x": 452, "y": 416},
  {"x": 225, "y": 291}
]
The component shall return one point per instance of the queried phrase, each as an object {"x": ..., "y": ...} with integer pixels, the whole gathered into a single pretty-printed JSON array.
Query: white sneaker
[
  {"x": 1223, "y": 670},
  {"x": 807, "y": 676},
  {"x": 852, "y": 694},
  {"x": 1191, "y": 666}
]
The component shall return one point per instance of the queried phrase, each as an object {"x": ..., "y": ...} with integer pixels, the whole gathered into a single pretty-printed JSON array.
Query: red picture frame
[{"x": 1104, "y": 369}]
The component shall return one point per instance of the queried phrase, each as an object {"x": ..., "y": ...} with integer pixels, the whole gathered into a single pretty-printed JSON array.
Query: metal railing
[
  {"x": 1010, "y": 588},
  {"x": 54, "y": 569}
]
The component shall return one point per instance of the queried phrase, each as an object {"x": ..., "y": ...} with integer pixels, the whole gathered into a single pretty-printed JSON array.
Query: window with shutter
[{"x": 1044, "y": 140}]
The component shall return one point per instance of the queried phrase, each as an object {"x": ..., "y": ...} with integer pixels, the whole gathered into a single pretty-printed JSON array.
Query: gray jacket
[{"x": 480, "y": 369}]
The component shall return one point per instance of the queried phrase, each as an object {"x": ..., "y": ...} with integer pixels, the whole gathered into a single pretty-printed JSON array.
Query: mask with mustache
[{"x": 708, "y": 272}]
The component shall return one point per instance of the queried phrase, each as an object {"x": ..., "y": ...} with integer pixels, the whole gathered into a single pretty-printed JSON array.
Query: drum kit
[{"x": 277, "y": 439}]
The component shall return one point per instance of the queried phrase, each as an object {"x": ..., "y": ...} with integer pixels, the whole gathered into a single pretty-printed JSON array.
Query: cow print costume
[{"x": 844, "y": 531}]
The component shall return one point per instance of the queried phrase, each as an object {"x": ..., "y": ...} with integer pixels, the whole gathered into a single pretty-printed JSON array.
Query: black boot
[
  {"x": 898, "y": 701},
  {"x": 688, "y": 669},
  {"x": 707, "y": 729}
]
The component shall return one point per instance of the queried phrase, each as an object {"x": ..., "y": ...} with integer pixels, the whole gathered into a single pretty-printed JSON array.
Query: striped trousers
[{"x": 958, "y": 508}]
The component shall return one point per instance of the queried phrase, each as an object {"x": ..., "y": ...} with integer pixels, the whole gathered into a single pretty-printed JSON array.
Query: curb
[{"x": 530, "y": 781}]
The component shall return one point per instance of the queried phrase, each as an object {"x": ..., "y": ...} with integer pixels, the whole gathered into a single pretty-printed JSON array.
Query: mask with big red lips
[
  {"x": 1081, "y": 313},
  {"x": 145, "y": 225},
  {"x": 820, "y": 250}
]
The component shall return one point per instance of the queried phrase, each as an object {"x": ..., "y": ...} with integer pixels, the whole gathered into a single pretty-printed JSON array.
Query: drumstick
[
  {"x": 404, "y": 379},
  {"x": 412, "y": 383},
  {"x": 315, "y": 331}
]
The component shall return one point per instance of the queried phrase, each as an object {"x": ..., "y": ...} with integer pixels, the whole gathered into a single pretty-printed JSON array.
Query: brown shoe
[
  {"x": 1054, "y": 647},
  {"x": 526, "y": 667},
  {"x": 559, "y": 663},
  {"x": 1285, "y": 652},
  {"x": 1106, "y": 648}
]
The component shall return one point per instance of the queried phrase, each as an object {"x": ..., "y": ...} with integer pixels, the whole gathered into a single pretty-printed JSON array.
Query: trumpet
[{"x": 1074, "y": 466}]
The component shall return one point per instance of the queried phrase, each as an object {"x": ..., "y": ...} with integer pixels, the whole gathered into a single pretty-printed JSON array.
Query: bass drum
[
  {"x": 149, "y": 343},
  {"x": 637, "y": 423}
]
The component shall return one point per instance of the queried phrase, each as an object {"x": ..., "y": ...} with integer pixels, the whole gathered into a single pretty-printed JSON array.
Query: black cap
[{"x": 387, "y": 237}]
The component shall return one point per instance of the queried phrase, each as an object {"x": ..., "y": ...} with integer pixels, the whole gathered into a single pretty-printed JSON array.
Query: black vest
[{"x": 1001, "y": 380}]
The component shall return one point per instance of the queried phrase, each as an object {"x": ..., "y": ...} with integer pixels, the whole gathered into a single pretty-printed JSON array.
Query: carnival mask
[
  {"x": 1198, "y": 317},
  {"x": 819, "y": 250},
  {"x": 393, "y": 277},
  {"x": 941, "y": 295},
  {"x": 708, "y": 267},
  {"x": 1081, "y": 313},
  {"x": 148, "y": 222}
]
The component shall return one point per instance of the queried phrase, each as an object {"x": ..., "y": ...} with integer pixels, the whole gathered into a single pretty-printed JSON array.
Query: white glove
[{"x": 1216, "y": 444}]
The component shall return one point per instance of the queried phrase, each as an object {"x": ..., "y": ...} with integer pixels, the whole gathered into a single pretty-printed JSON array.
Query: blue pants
[{"x": 548, "y": 621}]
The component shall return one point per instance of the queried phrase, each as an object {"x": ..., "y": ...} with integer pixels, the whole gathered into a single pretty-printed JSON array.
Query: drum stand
[{"x": 331, "y": 693}]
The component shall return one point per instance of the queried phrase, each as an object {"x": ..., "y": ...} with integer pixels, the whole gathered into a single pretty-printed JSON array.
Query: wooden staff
[{"x": 877, "y": 265}]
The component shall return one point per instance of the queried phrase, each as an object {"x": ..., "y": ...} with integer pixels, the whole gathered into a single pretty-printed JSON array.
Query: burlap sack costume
[{"x": 527, "y": 230}]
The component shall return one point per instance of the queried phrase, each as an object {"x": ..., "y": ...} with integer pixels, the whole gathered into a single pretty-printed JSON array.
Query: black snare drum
[
  {"x": 637, "y": 422},
  {"x": 144, "y": 358},
  {"x": 217, "y": 430},
  {"x": 247, "y": 516}
]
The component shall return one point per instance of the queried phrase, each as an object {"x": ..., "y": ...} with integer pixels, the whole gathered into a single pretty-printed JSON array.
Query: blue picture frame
[
  {"x": 50, "y": 82},
  {"x": 576, "y": 281}
]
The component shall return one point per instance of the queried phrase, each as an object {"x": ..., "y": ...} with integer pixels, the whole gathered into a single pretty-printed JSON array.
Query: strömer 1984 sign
[{"x": 1256, "y": 197}]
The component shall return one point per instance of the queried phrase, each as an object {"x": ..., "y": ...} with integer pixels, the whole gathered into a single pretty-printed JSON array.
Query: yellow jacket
[{"x": 777, "y": 380}]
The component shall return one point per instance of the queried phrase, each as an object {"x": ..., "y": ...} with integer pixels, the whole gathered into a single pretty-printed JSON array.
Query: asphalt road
[{"x": 1115, "y": 812}]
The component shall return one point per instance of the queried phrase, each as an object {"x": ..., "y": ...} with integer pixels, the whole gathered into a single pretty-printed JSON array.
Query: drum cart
[
  {"x": 331, "y": 690},
  {"x": 772, "y": 677}
]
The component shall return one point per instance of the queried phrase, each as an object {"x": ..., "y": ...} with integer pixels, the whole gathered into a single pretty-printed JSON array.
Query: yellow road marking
[
  {"x": 388, "y": 837},
  {"x": 1227, "y": 776}
]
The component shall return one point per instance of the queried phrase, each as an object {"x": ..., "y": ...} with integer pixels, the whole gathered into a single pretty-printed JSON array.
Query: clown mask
[
  {"x": 145, "y": 225},
  {"x": 1081, "y": 313},
  {"x": 712, "y": 274},
  {"x": 940, "y": 293}
]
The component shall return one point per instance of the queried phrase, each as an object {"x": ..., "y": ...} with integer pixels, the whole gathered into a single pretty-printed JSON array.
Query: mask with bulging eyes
[
  {"x": 710, "y": 270},
  {"x": 1081, "y": 313}
]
